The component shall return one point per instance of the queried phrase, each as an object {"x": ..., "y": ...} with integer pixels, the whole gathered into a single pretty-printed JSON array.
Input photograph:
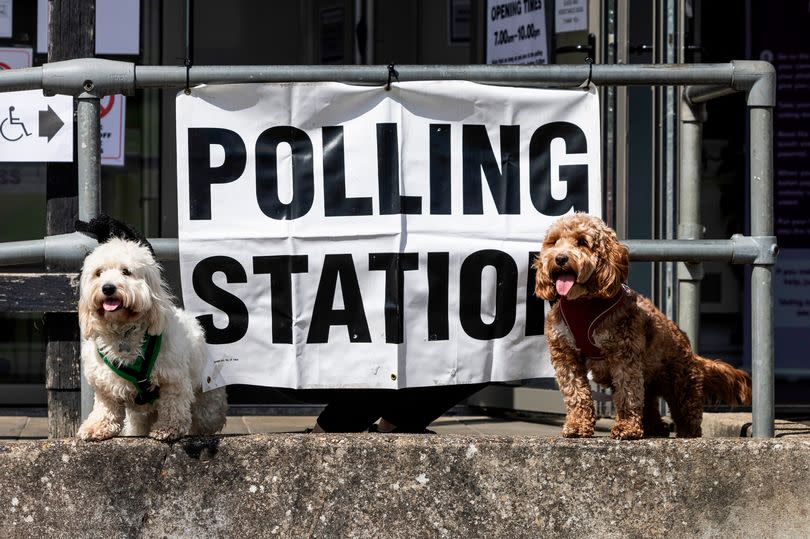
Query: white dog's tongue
[
  {"x": 565, "y": 282},
  {"x": 111, "y": 304}
]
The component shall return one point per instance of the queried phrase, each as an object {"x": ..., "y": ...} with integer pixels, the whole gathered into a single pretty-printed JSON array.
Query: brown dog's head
[{"x": 580, "y": 257}]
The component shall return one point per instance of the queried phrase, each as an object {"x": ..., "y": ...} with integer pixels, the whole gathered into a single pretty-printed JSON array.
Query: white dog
[{"x": 142, "y": 355}]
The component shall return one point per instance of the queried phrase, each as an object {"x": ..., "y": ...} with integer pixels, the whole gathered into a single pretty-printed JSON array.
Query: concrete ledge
[
  {"x": 372, "y": 485},
  {"x": 725, "y": 425}
]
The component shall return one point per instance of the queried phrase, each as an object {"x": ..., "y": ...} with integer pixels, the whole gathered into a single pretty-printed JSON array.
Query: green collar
[{"x": 139, "y": 372}]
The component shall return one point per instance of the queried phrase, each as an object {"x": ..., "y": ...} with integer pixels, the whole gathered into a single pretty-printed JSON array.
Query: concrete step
[{"x": 372, "y": 485}]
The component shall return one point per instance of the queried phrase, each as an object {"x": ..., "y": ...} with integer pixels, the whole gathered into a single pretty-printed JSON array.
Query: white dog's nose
[{"x": 108, "y": 289}]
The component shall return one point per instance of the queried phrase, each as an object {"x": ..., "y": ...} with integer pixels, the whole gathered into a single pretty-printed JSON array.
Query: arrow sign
[
  {"x": 31, "y": 113},
  {"x": 49, "y": 123}
]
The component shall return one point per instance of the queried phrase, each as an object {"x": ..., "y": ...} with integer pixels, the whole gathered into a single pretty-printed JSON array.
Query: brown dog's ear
[
  {"x": 543, "y": 287},
  {"x": 613, "y": 267}
]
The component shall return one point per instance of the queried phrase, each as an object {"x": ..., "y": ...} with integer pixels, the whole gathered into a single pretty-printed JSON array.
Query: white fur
[{"x": 146, "y": 306}]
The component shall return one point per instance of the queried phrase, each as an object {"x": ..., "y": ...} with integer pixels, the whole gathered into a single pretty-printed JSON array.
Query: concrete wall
[{"x": 404, "y": 486}]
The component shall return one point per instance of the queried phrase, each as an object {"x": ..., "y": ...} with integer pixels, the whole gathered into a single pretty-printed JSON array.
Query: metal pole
[
  {"x": 68, "y": 250},
  {"x": 622, "y": 120},
  {"x": 689, "y": 227},
  {"x": 669, "y": 134},
  {"x": 111, "y": 76},
  {"x": 545, "y": 75},
  {"x": 89, "y": 161},
  {"x": 762, "y": 352},
  {"x": 89, "y": 156}
]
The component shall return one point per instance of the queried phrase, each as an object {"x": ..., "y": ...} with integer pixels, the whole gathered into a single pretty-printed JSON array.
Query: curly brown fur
[{"x": 644, "y": 354}]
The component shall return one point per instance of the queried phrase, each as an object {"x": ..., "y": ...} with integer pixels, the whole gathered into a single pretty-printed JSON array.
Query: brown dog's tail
[{"x": 724, "y": 383}]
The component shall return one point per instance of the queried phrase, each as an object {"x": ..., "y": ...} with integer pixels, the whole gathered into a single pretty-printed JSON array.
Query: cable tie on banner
[
  {"x": 587, "y": 83},
  {"x": 392, "y": 72},
  {"x": 189, "y": 42},
  {"x": 187, "y": 63}
]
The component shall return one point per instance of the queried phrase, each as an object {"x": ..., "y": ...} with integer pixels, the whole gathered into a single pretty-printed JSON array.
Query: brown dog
[{"x": 598, "y": 324}]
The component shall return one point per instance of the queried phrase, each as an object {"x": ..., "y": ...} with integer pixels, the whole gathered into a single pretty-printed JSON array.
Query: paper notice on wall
[
  {"x": 36, "y": 128},
  {"x": 6, "y": 18},
  {"x": 792, "y": 290},
  {"x": 791, "y": 309},
  {"x": 570, "y": 16},
  {"x": 118, "y": 28},
  {"x": 516, "y": 32}
]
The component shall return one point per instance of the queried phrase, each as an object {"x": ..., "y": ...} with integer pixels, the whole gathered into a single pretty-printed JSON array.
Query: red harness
[{"x": 583, "y": 315}]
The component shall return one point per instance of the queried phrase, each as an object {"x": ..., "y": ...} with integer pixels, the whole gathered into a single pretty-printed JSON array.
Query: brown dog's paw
[
  {"x": 577, "y": 430},
  {"x": 626, "y": 430}
]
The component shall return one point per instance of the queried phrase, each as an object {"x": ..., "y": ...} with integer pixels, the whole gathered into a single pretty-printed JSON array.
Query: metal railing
[{"x": 91, "y": 79}]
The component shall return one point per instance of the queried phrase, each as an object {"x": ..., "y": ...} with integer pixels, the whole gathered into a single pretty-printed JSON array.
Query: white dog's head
[{"x": 121, "y": 286}]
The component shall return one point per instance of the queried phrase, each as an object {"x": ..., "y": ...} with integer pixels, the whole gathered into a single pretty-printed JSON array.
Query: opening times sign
[
  {"x": 347, "y": 236},
  {"x": 516, "y": 32}
]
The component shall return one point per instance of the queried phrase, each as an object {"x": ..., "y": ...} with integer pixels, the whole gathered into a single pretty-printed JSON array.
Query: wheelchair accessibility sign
[{"x": 36, "y": 128}]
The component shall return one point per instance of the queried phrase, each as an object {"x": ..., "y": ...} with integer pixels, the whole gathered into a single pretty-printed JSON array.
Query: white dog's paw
[
  {"x": 93, "y": 432},
  {"x": 167, "y": 433}
]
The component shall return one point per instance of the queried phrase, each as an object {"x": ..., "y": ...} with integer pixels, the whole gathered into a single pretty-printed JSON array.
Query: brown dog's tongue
[{"x": 565, "y": 282}]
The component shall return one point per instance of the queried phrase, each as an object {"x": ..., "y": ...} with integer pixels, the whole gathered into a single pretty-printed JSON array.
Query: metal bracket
[
  {"x": 763, "y": 248},
  {"x": 92, "y": 75},
  {"x": 758, "y": 78},
  {"x": 67, "y": 251}
]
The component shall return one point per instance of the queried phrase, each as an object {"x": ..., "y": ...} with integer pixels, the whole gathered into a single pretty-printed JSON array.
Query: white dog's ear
[
  {"x": 156, "y": 318},
  {"x": 87, "y": 322},
  {"x": 87, "y": 325}
]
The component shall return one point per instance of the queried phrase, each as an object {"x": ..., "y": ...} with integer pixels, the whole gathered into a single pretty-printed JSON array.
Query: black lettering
[
  {"x": 394, "y": 265},
  {"x": 200, "y": 172},
  {"x": 504, "y": 183},
  {"x": 438, "y": 268},
  {"x": 535, "y": 307},
  {"x": 575, "y": 176},
  {"x": 232, "y": 306},
  {"x": 334, "y": 178},
  {"x": 303, "y": 178},
  {"x": 505, "y": 297},
  {"x": 281, "y": 268},
  {"x": 440, "y": 187},
  {"x": 391, "y": 202},
  {"x": 324, "y": 315}
]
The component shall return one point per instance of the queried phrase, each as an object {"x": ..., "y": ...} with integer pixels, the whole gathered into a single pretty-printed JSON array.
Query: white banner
[{"x": 347, "y": 236}]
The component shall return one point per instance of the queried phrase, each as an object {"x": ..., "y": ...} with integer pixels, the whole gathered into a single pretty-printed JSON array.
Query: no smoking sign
[{"x": 112, "y": 110}]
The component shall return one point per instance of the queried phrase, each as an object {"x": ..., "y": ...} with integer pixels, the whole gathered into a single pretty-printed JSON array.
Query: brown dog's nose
[{"x": 561, "y": 260}]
